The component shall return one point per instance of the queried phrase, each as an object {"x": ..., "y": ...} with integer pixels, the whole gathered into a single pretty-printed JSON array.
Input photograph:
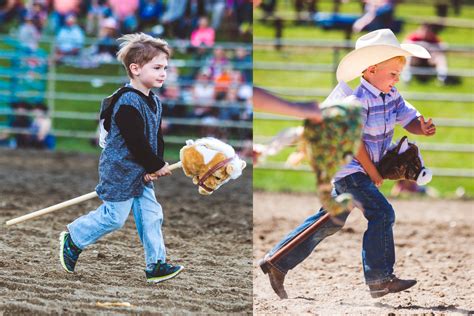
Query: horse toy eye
[{"x": 217, "y": 178}]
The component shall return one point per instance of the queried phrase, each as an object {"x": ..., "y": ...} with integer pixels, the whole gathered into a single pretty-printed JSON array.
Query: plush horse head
[
  {"x": 210, "y": 163},
  {"x": 403, "y": 161}
]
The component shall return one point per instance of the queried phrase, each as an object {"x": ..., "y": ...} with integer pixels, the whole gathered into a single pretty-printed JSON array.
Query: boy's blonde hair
[
  {"x": 401, "y": 59},
  {"x": 140, "y": 48}
]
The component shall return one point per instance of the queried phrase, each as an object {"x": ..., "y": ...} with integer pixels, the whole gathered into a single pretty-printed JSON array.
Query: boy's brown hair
[{"x": 140, "y": 48}]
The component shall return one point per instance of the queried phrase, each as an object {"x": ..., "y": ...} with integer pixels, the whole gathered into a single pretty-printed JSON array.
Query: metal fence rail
[
  {"x": 172, "y": 139},
  {"x": 305, "y": 67},
  {"x": 439, "y": 147},
  {"x": 444, "y": 122},
  {"x": 444, "y": 172},
  {"x": 334, "y": 44},
  {"x": 420, "y": 96}
]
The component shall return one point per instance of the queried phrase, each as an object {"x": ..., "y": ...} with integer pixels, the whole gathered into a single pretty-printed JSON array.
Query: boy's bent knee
[
  {"x": 113, "y": 219},
  {"x": 381, "y": 211}
]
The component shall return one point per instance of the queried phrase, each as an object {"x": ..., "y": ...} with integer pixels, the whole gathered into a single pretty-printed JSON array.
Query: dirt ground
[
  {"x": 210, "y": 236},
  {"x": 434, "y": 244}
]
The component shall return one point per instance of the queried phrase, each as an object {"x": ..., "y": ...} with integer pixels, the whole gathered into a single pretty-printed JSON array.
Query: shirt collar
[{"x": 376, "y": 92}]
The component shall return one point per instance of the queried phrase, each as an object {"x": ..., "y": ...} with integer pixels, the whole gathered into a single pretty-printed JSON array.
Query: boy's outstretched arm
[
  {"x": 419, "y": 126},
  {"x": 266, "y": 101},
  {"x": 364, "y": 159}
]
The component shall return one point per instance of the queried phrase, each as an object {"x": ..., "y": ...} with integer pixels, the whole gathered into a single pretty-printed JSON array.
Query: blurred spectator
[
  {"x": 203, "y": 93},
  {"x": 217, "y": 61},
  {"x": 426, "y": 36},
  {"x": 407, "y": 187},
  {"x": 173, "y": 102},
  {"x": 107, "y": 43},
  {"x": 243, "y": 12},
  {"x": 268, "y": 7},
  {"x": 223, "y": 81},
  {"x": 172, "y": 75},
  {"x": 70, "y": 38},
  {"x": 39, "y": 12},
  {"x": 242, "y": 60},
  {"x": 28, "y": 34},
  {"x": 150, "y": 12},
  {"x": 40, "y": 129},
  {"x": 378, "y": 14},
  {"x": 95, "y": 15},
  {"x": 231, "y": 110},
  {"x": 124, "y": 11},
  {"x": 203, "y": 35},
  {"x": 194, "y": 10},
  {"x": 300, "y": 5},
  {"x": 62, "y": 9},
  {"x": 10, "y": 9},
  {"x": 21, "y": 120},
  {"x": 216, "y": 8},
  {"x": 442, "y": 7},
  {"x": 172, "y": 17}
]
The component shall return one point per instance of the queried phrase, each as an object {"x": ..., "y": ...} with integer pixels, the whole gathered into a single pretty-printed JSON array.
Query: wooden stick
[
  {"x": 67, "y": 203},
  {"x": 176, "y": 165},
  {"x": 53, "y": 208}
]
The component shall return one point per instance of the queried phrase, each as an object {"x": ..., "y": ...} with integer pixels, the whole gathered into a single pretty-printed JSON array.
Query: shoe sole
[
  {"x": 164, "y": 278},
  {"x": 383, "y": 292},
  {"x": 380, "y": 293},
  {"x": 62, "y": 236}
]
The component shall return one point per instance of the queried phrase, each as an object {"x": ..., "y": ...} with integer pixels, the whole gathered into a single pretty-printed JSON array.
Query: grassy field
[{"x": 286, "y": 180}]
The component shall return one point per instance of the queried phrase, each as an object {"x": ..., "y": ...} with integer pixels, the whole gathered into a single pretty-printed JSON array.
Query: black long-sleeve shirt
[{"x": 132, "y": 129}]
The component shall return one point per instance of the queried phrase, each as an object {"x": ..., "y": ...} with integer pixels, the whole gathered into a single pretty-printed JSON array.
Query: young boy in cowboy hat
[
  {"x": 378, "y": 60},
  {"x": 131, "y": 158}
]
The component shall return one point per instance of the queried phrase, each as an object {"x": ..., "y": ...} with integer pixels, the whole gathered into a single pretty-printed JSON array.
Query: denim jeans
[
  {"x": 378, "y": 251},
  {"x": 111, "y": 216}
]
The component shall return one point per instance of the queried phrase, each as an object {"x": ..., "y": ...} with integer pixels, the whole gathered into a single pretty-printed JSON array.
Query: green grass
[
  {"x": 282, "y": 180},
  {"x": 301, "y": 181}
]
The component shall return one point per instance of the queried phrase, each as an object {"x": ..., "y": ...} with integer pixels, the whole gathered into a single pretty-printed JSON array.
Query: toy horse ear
[
  {"x": 244, "y": 164},
  {"x": 229, "y": 169},
  {"x": 195, "y": 180}
]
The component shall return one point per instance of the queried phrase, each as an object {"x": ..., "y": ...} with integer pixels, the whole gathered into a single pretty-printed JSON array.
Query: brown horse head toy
[
  {"x": 210, "y": 163},
  {"x": 403, "y": 162}
]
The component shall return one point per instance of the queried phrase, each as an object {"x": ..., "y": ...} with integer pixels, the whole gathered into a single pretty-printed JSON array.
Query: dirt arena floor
[
  {"x": 210, "y": 236},
  {"x": 434, "y": 243}
]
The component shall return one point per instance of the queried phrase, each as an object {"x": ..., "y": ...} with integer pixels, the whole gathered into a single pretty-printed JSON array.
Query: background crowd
[{"x": 214, "y": 84}]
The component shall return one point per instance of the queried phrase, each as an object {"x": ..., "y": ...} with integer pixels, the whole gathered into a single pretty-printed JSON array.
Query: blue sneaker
[
  {"x": 162, "y": 272},
  {"x": 68, "y": 252}
]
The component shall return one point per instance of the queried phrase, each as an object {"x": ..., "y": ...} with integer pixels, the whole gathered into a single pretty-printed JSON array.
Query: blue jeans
[
  {"x": 378, "y": 251},
  {"x": 111, "y": 216}
]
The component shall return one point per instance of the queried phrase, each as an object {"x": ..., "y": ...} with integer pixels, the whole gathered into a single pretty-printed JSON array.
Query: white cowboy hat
[{"x": 373, "y": 48}]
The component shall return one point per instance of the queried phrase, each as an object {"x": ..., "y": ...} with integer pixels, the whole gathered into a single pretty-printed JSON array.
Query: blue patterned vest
[{"x": 120, "y": 176}]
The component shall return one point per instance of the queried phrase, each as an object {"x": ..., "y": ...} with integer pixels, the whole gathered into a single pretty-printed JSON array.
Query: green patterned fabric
[{"x": 331, "y": 144}]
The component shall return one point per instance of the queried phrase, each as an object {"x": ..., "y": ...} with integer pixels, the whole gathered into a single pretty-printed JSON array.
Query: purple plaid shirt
[{"x": 379, "y": 116}]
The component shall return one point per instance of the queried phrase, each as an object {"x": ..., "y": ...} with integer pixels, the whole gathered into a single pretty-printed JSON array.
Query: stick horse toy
[{"x": 208, "y": 161}]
